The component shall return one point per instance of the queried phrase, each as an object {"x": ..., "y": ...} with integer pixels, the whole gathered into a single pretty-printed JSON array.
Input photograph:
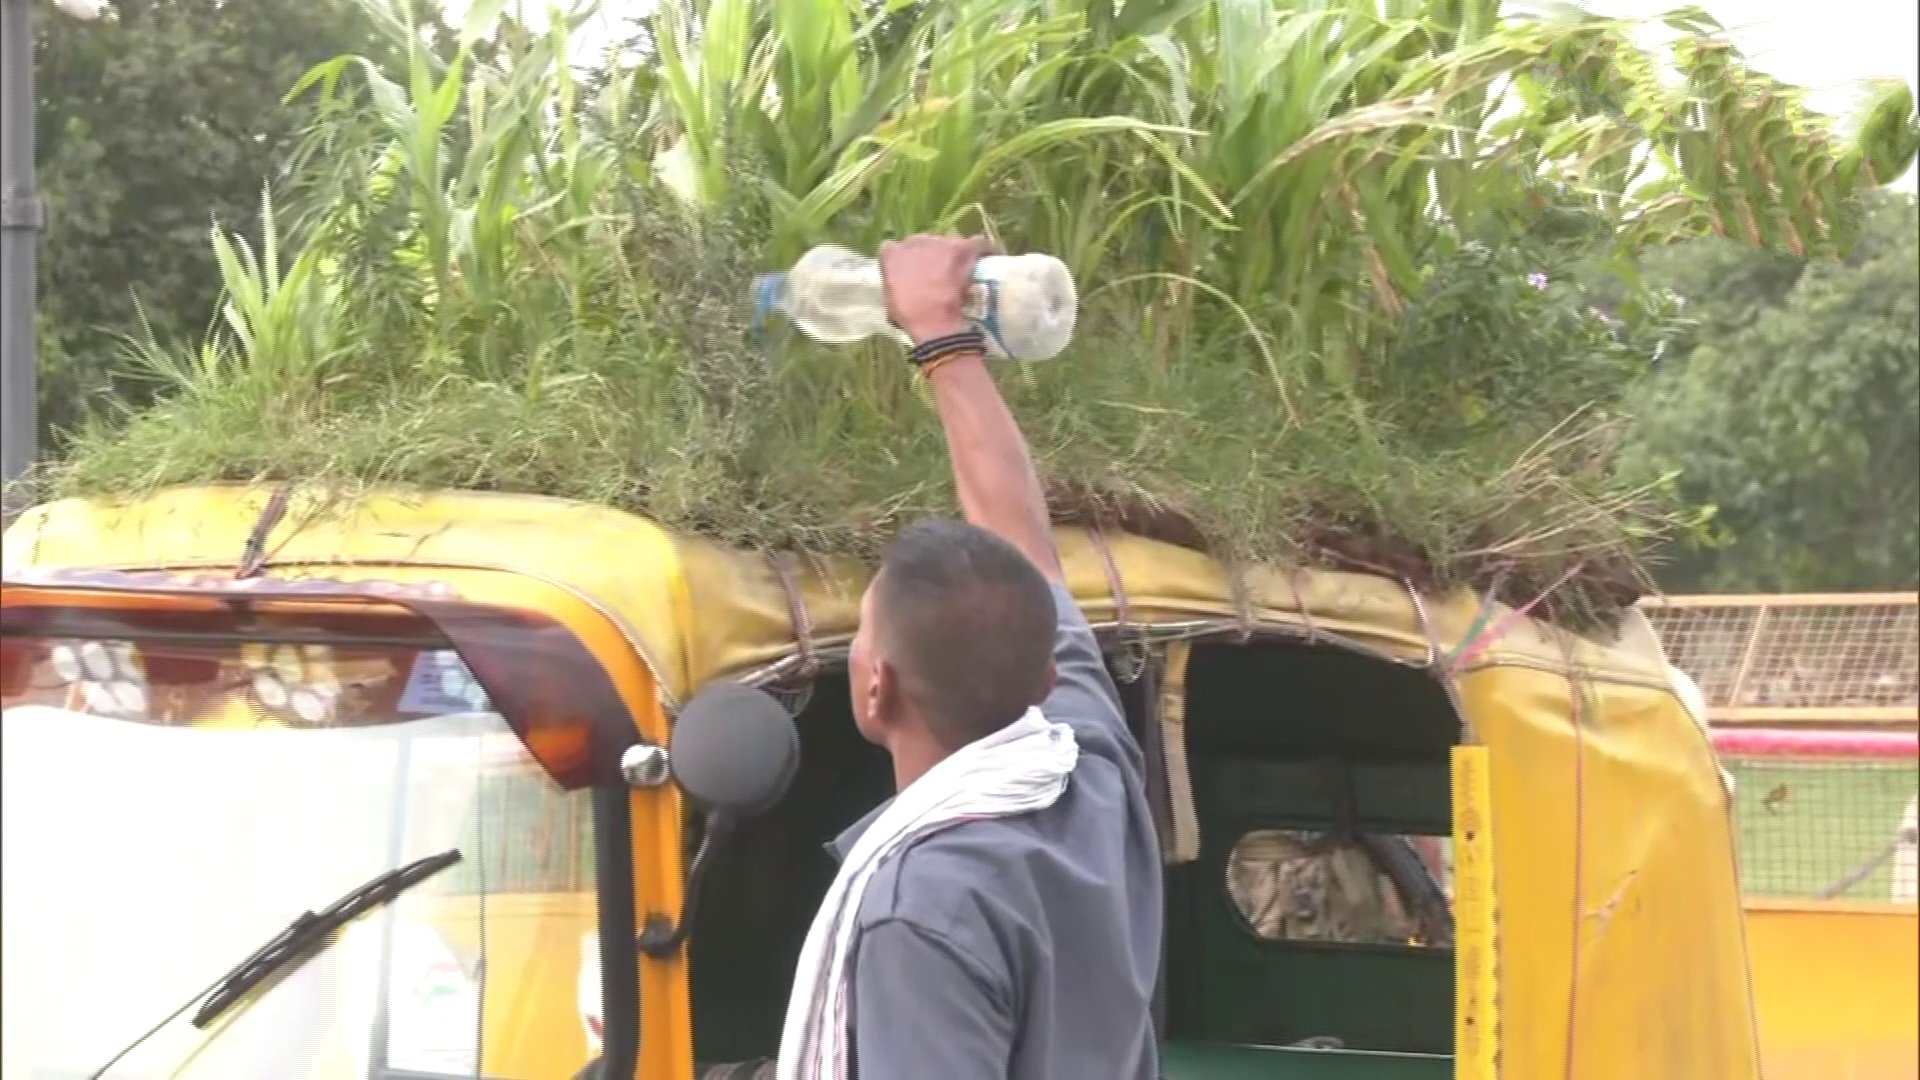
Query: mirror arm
[{"x": 661, "y": 938}]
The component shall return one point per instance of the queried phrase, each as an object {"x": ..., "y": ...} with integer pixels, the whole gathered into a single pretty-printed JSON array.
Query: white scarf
[{"x": 1020, "y": 768}]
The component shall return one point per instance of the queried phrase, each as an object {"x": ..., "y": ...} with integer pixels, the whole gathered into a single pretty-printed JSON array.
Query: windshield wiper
[
  {"x": 296, "y": 944},
  {"x": 304, "y": 936}
]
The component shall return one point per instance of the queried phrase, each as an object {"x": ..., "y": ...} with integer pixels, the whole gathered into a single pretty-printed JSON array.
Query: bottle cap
[{"x": 766, "y": 297}]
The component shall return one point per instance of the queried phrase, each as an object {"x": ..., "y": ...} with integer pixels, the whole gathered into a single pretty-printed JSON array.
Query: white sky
[{"x": 1827, "y": 46}]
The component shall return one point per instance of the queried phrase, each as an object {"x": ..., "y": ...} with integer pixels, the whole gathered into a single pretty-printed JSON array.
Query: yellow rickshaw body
[{"x": 1617, "y": 944}]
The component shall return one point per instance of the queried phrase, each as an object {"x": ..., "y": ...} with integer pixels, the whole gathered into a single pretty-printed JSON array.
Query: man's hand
[{"x": 926, "y": 279}]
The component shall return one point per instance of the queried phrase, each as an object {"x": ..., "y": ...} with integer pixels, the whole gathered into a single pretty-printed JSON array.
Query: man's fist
[{"x": 926, "y": 280}]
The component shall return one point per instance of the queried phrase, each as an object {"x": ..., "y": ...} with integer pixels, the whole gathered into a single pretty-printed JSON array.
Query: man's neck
[{"x": 913, "y": 758}]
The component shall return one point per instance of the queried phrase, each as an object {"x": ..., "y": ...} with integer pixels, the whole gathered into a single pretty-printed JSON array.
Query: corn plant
[
  {"x": 280, "y": 331},
  {"x": 1301, "y": 160}
]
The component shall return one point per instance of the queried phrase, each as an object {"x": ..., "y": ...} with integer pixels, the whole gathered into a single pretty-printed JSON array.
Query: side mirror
[{"x": 734, "y": 750}]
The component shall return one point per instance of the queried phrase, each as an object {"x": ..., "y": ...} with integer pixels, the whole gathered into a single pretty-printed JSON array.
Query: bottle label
[{"x": 982, "y": 309}]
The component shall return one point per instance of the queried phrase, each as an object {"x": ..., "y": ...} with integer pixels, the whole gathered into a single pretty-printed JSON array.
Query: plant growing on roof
[{"x": 1291, "y": 347}]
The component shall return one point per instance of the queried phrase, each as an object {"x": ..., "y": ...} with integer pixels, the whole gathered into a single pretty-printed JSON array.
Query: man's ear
[{"x": 883, "y": 693}]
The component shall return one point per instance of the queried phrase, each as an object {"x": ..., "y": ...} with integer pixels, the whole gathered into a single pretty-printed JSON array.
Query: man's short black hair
[{"x": 968, "y": 623}]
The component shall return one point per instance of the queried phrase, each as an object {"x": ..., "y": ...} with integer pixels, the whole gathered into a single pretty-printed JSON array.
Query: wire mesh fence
[
  {"x": 1832, "y": 659},
  {"x": 1826, "y": 828}
]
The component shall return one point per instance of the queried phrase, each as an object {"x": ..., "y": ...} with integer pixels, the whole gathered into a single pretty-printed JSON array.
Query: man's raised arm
[{"x": 927, "y": 278}]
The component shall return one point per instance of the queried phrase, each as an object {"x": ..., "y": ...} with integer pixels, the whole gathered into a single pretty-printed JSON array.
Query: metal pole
[{"x": 20, "y": 223}]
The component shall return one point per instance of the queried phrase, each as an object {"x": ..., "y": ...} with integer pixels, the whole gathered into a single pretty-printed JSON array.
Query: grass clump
[{"x": 1332, "y": 300}]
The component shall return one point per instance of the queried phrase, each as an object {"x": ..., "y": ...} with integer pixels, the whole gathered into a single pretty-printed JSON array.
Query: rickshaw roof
[{"x": 697, "y": 610}]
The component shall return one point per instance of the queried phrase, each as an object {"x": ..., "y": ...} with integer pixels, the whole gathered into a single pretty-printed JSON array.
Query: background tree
[
  {"x": 154, "y": 125},
  {"x": 1793, "y": 412}
]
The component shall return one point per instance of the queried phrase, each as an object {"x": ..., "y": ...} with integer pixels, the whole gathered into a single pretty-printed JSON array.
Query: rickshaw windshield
[{"x": 170, "y": 807}]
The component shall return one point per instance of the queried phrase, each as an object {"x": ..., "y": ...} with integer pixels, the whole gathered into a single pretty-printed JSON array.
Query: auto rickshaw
[{"x": 419, "y": 785}]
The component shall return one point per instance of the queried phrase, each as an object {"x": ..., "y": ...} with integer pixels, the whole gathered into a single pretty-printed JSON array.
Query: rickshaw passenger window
[{"x": 1305, "y": 885}]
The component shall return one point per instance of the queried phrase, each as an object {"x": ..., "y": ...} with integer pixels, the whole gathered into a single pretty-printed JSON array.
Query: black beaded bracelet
[{"x": 968, "y": 340}]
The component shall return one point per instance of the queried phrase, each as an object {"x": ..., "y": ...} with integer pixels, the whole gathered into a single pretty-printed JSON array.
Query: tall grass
[{"x": 1330, "y": 256}]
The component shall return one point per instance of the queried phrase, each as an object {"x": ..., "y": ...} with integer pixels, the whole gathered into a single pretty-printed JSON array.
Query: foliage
[
  {"x": 154, "y": 124},
  {"x": 1297, "y": 339},
  {"x": 1794, "y": 414}
]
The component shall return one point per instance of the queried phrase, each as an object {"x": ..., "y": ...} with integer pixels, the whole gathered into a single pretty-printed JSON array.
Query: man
[{"x": 1000, "y": 917}]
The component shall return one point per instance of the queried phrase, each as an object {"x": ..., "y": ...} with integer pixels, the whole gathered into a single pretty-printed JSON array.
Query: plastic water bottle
[{"x": 1025, "y": 305}]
